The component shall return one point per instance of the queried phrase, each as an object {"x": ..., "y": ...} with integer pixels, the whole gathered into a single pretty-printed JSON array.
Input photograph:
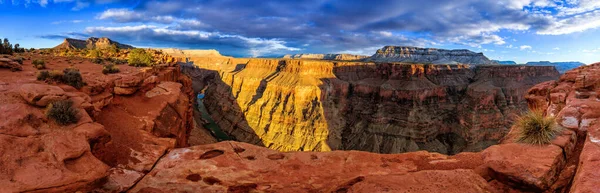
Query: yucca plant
[{"x": 537, "y": 129}]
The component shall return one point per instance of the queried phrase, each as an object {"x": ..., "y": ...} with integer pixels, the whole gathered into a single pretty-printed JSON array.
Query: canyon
[
  {"x": 311, "y": 105},
  {"x": 296, "y": 125}
]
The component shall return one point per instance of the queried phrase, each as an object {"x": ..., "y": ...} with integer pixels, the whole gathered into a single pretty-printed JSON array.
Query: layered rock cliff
[
  {"x": 326, "y": 56},
  {"x": 562, "y": 67},
  {"x": 309, "y": 105},
  {"x": 428, "y": 56},
  {"x": 574, "y": 100},
  {"x": 91, "y": 43},
  {"x": 178, "y": 53}
]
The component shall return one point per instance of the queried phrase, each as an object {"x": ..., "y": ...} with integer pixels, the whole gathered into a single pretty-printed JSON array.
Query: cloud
[
  {"x": 149, "y": 33},
  {"x": 62, "y": 36},
  {"x": 556, "y": 48},
  {"x": 525, "y": 47},
  {"x": 67, "y": 21},
  {"x": 332, "y": 26},
  {"x": 578, "y": 23}
]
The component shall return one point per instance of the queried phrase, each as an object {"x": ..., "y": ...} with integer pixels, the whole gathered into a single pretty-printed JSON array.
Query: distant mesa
[
  {"x": 91, "y": 43},
  {"x": 562, "y": 67},
  {"x": 326, "y": 56},
  {"x": 428, "y": 56},
  {"x": 191, "y": 53},
  {"x": 508, "y": 62}
]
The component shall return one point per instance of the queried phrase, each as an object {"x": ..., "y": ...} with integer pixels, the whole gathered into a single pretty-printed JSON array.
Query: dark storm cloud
[{"x": 333, "y": 25}]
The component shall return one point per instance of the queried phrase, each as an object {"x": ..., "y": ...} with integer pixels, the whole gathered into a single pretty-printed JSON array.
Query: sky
[{"x": 517, "y": 30}]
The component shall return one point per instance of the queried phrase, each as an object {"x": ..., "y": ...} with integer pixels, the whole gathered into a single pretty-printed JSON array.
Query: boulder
[
  {"x": 125, "y": 90},
  {"x": 40, "y": 94},
  {"x": 12, "y": 65},
  {"x": 127, "y": 84},
  {"x": 525, "y": 166},
  {"x": 59, "y": 161}
]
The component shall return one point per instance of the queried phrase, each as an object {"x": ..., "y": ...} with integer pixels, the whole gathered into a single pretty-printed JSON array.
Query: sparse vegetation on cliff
[
  {"x": 535, "y": 128},
  {"x": 70, "y": 76},
  {"x": 62, "y": 112},
  {"x": 139, "y": 58},
  {"x": 39, "y": 64}
]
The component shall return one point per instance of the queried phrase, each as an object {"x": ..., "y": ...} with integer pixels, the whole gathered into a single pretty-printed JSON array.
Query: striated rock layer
[
  {"x": 428, "y": 56},
  {"x": 326, "y": 56},
  {"x": 310, "y": 105},
  {"x": 91, "y": 43}
]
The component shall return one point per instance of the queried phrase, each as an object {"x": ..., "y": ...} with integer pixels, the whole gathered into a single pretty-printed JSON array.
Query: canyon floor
[{"x": 138, "y": 132}]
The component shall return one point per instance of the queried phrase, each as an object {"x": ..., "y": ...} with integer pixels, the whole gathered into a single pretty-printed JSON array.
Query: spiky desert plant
[
  {"x": 535, "y": 128},
  {"x": 62, "y": 112}
]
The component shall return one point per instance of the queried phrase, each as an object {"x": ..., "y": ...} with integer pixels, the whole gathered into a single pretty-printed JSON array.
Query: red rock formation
[
  {"x": 233, "y": 166},
  {"x": 40, "y": 156},
  {"x": 129, "y": 133},
  {"x": 574, "y": 101},
  {"x": 10, "y": 64},
  {"x": 292, "y": 105}
]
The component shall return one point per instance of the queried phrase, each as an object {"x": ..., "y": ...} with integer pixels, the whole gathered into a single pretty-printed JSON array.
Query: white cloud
[
  {"x": 65, "y": 21},
  {"x": 119, "y": 15},
  {"x": 525, "y": 47},
  {"x": 257, "y": 46},
  {"x": 577, "y": 23},
  {"x": 557, "y": 48},
  {"x": 386, "y": 33}
]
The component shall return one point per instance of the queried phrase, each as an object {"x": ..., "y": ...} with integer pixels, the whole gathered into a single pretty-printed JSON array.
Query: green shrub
[
  {"x": 535, "y": 128},
  {"x": 73, "y": 77},
  {"x": 110, "y": 69},
  {"x": 39, "y": 64},
  {"x": 139, "y": 58},
  {"x": 94, "y": 53},
  {"x": 62, "y": 112},
  {"x": 43, "y": 75},
  {"x": 116, "y": 61},
  {"x": 56, "y": 76}
]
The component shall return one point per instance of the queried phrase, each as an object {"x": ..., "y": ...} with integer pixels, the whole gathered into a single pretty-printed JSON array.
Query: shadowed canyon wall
[{"x": 312, "y": 105}]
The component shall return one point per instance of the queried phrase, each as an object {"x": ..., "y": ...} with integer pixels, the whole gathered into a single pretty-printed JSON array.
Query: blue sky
[{"x": 519, "y": 30}]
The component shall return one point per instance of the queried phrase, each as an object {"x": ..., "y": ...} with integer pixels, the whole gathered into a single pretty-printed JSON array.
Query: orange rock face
[{"x": 311, "y": 105}]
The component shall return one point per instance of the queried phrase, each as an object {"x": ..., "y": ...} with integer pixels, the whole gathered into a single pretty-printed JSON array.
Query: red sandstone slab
[
  {"x": 526, "y": 166},
  {"x": 239, "y": 166}
]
